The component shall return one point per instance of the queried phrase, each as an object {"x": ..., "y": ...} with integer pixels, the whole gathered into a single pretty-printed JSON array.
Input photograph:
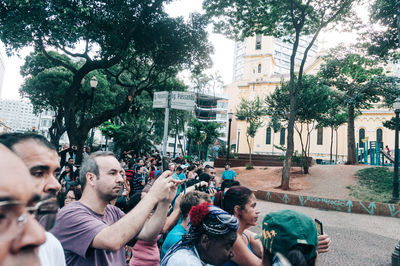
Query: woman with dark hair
[
  {"x": 212, "y": 232},
  {"x": 241, "y": 202},
  {"x": 68, "y": 179}
]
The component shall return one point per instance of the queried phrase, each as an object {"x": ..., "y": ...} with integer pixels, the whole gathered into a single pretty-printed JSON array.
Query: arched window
[
  {"x": 282, "y": 137},
  {"x": 268, "y": 139},
  {"x": 320, "y": 136},
  {"x": 259, "y": 68},
  {"x": 379, "y": 135},
  {"x": 361, "y": 136}
]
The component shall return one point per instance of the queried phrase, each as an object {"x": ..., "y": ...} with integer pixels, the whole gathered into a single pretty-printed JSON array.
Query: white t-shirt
[
  {"x": 186, "y": 257},
  {"x": 51, "y": 253}
]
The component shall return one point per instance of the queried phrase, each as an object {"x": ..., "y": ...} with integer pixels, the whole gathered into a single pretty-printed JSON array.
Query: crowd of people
[{"x": 126, "y": 211}]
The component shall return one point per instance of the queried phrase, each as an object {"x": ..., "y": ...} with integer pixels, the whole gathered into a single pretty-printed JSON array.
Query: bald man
[{"x": 20, "y": 234}]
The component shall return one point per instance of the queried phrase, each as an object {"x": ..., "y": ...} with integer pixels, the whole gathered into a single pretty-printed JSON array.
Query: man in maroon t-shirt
[{"x": 129, "y": 173}]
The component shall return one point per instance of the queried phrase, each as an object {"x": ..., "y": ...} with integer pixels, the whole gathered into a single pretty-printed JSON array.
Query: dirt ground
[{"x": 329, "y": 181}]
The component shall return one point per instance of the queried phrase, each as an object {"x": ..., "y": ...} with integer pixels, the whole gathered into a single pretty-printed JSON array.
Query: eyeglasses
[{"x": 15, "y": 213}]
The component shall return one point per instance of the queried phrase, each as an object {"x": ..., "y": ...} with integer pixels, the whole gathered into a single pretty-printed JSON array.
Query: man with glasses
[
  {"x": 94, "y": 232},
  {"x": 41, "y": 158},
  {"x": 20, "y": 234}
]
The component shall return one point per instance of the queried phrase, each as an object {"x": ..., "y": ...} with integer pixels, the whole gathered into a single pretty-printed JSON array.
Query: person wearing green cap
[
  {"x": 291, "y": 234},
  {"x": 241, "y": 202}
]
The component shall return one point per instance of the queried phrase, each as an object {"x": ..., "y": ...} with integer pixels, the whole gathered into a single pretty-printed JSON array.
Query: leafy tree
[
  {"x": 202, "y": 82},
  {"x": 333, "y": 118},
  {"x": 109, "y": 129},
  {"x": 290, "y": 19},
  {"x": 384, "y": 42},
  {"x": 134, "y": 134},
  {"x": 130, "y": 45},
  {"x": 203, "y": 134},
  {"x": 43, "y": 77},
  {"x": 313, "y": 97},
  {"x": 251, "y": 111},
  {"x": 196, "y": 134},
  {"x": 145, "y": 122},
  {"x": 360, "y": 78}
]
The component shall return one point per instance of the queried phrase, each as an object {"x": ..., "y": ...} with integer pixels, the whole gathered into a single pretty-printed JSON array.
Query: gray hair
[{"x": 89, "y": 165}]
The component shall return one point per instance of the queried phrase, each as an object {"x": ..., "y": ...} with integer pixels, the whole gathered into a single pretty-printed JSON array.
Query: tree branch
[
  {"x": 83, "y": 55},
  {"x": 57, "y": 61}
]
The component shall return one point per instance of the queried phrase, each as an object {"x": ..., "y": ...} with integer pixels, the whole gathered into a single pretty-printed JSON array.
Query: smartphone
[{"x": 320, "y": 228}]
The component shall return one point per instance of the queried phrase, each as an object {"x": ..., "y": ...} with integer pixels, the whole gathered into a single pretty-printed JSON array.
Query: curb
[{"x": 349, "y": 206}]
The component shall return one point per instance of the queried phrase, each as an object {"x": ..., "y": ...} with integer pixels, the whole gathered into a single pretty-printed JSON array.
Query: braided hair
[{"x": 204, "y": 219}]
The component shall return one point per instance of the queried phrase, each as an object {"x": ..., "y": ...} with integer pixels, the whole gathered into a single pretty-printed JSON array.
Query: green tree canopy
[
  {"x": 334, "y": 117},
  {"x": 314, "y": 98},
  {"x": 360, "y": 78},
  {"x": 289, "y": 19},
  {"x": 203, "y": 134},
  {"x": 385, "y": 41},
  {"x": 134, "y": 45},
  {"x": 252, "y": 112}
]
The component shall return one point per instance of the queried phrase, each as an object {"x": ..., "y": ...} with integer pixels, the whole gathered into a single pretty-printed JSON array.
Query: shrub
[{"x": 249, "y": 166}]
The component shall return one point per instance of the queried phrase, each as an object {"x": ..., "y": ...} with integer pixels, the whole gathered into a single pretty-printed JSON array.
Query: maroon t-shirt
[
  {"x": 76, "y": 227},
  {"x": 129, "y": 174}
]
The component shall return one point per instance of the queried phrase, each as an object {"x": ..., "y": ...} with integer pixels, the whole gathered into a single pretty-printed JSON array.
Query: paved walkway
[{"x": 357, "y": 239}]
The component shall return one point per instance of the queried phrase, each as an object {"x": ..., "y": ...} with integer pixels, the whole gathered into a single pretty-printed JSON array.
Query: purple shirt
[{"x": 76, "y": 227}]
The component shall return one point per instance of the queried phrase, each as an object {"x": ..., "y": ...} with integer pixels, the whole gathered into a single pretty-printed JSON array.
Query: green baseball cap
[{"x": 283, "y": 230}]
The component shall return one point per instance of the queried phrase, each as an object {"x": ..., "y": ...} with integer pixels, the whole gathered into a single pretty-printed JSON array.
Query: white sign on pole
[
  {"x": 160, "y": 99},
  {"x": 182, "y": 100}
]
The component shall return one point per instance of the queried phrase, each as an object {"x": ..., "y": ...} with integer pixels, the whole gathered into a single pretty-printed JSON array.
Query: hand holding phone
[{"x": 320, "y": 229}]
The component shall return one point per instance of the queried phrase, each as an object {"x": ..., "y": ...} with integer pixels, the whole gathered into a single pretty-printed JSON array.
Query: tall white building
[
  {"x": 267, "y": 50},
  {"x": 18, "y": 115}
]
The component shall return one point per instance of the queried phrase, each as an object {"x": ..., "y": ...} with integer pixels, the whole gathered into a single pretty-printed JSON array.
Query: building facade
[
  {"x": 209, "y": 107},
  {"x": 261, "y": 64},
  {"x": 18, "y": 115}
]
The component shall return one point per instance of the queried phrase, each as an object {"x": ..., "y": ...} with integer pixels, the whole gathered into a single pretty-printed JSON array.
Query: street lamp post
[
  {"x": 93, "y": 84},
  {"x": 396, "y": 107},
  {"x": 230, "y": 115}
]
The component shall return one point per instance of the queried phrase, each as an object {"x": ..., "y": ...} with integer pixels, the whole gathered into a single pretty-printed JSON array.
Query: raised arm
[{"x": 118, "y": 234}]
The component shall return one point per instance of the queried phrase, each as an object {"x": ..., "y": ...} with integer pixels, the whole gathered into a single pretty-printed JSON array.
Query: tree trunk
[
  {"x": 336, "y": 145},
  {"x": 57, "y": 128},
  {"x": 306, "y": 165},
  {"x": 78, "y": 139},
  {"x": 80, "y": 145},
  {"x": 287, "y": 164},
  {"x": 180, "y": 143},
  {"x": 330, "y": 153},
  {"x": 303, "y": 147},
  {"x": 55, "y": 138},
  {"x": 198, "y": 151},
  {"x": 351, "y": 146},
  {"x": 249, "y": 144}
]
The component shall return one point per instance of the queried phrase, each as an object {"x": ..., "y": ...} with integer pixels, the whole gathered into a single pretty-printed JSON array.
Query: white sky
[{"x": 222, "y": 57}]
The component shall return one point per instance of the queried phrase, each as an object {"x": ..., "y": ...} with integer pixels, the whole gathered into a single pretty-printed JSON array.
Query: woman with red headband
[{"x": 212, "y": 232}]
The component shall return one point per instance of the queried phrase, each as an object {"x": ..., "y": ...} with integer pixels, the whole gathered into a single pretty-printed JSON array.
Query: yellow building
[{"x": 261, "y": 63}]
